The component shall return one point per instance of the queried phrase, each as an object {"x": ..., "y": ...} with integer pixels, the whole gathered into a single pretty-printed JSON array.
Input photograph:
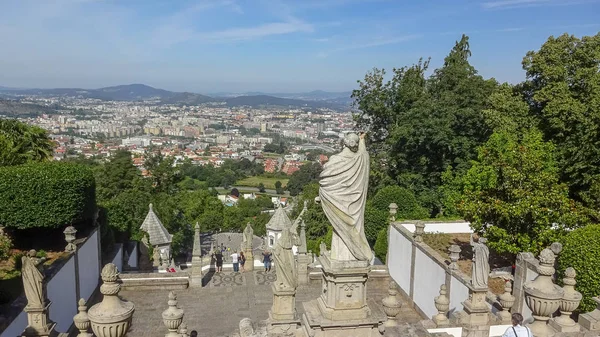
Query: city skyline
[{"x": 269, "y": 46}]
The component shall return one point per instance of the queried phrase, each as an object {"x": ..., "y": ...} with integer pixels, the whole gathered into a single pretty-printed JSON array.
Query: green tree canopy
[{"x": 21, "y": 143}]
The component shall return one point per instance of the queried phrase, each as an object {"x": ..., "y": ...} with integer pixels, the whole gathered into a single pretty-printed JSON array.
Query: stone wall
[
  {"x": 420, "y": 271},
  {"x": 74, "y": 277}
]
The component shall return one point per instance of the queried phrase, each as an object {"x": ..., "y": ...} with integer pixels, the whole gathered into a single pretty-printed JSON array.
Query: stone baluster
[
  {"x": 172, "y": 316},
  {"x": 82, "y": 321},
  {"x": 419, "y": 230},
  {"x": 570, "y": 301},
  {"x": 506, "y": 300},
  {"x": 442, "y": 304},
  {"x": 542, "y": 296},
  {"x": 69, "y": 233},
  {"x": 112, "y": 316},
  {"x": 391, "y": 305},
  {"x": 454, "y": 252},
  {"x": 393, "y": 211}
]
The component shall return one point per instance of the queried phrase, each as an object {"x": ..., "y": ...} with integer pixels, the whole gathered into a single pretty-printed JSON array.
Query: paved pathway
[{"x": 216, "y": 309}]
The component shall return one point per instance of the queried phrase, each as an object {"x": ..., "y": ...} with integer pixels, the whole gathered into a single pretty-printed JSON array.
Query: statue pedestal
[
  {"x": 282, "y": 316},
  {"x": 39, "y": 323},
  {"x": 303, "y": 261},
  {"x": 475, "y": 317},
  {"x": 343, "y": 303},
  {"x": 249, "y": 266},
  {"x": 591, "y": 320}
]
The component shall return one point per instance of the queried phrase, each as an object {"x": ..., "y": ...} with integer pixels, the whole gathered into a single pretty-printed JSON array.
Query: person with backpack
[{"x": 517, "y": 329}]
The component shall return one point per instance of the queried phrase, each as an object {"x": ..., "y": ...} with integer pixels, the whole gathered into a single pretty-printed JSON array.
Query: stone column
[
  {"x": 542, "y": 296},
  {"x": 475, "y": 317},
  {"x": 303, "y": 258},
  {"x": 568, "y": 304},
  {"x": 112, "y": 316},
  {"x": 38, "y": 322},
  {"x": 196, "y": 277}
]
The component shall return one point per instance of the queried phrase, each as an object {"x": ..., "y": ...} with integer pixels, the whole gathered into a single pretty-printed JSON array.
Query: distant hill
[
  {"x": 265, "y": 100},
  {"x": 14, "y": 108},
  {"x": 135, "y": 92},
  {"x": 188, "y": 98}
]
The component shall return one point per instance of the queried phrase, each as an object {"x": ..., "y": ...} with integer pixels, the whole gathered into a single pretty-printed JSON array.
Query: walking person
[
  {"x": 267, "y": 260},
  {"x": 219, "y": 260},
  {"x": 235, "y": 259},
  {"x": 517, "y": 329},
  {"x": 242, "y": 261}
]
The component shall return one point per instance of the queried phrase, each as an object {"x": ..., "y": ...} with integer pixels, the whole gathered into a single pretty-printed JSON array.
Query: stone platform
[{"x": 216, "y": 309}]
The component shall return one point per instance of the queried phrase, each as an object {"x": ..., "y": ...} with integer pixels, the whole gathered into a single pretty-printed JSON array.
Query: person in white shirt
[
  {"x": 517, "y": 330},
  {"x": 235, "y": 260}
]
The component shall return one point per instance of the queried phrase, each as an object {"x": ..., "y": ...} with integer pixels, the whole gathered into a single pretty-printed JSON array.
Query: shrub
[
  {"x": 375, "y": 220},
  {"x": 47, "y": 194},
  {"x": 581, "y": 249},
  {"x": 381, "y": 245},
  {"x": 408, "y": 205},
  {"x": 41, "y": 254},
  {"x": 5, "y": 246}
]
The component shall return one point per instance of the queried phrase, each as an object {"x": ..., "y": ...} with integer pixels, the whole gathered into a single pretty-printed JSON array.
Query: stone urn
[
  {"x": 112, "y": 316},
  {"x": 173, "y": 316},
  {"x": 542, "y": 296},
  {"x": 570, "y": 300},
  {"x": 506, "y": 300},
  {"x": 70, "y": 237},
  {"x": 81, "y": 320},
  {"x": 391, "y": 305},
  {"x": 442, "y": 304}
]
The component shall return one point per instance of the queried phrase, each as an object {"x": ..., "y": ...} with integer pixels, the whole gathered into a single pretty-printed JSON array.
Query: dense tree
[
  {"x": 563, "y": 90},
  {"x": 278, "y": 187},
  {"x": 163, "y": 173},
  {"x": 307, "y": 174},
  {"x": 512, "y": 194},
  {"x": 21, "y": 143},
  {"x": 116, "y": 176},
  {"x": 261, "y": 187}
]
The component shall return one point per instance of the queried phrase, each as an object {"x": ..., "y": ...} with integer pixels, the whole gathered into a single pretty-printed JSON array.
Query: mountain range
[{"x": 137, "y": 92}]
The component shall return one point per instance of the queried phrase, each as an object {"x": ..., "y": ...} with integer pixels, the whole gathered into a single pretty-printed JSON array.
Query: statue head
[
  {"x": 351, "y": 141},
  {"x": 31, "y": 253}
]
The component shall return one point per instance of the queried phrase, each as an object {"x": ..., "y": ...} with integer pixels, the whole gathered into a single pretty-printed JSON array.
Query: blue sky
[{"x": 267, "y": 45}]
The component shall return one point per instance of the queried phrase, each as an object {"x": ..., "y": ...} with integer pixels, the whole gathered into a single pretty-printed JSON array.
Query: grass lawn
[{"x": 268, "y": 182}]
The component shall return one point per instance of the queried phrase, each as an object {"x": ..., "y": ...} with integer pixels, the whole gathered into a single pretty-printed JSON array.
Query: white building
[{"x": 275, "y": 226}]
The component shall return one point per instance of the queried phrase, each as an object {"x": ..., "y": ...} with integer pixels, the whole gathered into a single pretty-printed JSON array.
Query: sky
[{"x": 210, "y": 46}]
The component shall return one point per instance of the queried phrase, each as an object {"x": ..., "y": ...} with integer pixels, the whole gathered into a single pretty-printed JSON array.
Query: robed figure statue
[
  {"x": 247, "y": 238},
  {"x": 481, "y": 266},
  {"x": 343, "y": 196},
  {"x": 33, "y": 280},
  {"x": 287, "y": 273}
]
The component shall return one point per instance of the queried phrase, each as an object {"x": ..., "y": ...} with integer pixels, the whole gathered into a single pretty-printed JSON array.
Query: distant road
[{"x": 253, "y": 189}]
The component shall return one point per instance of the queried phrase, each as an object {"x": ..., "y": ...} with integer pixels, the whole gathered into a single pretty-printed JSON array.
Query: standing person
[
  {"x": 235, "y": 260},
  {"x": 242, "y": 260},
  {"x": 219, "y": 260},
  {"x": 267, "y": 260},
  {"x": 517, "y": 330}
]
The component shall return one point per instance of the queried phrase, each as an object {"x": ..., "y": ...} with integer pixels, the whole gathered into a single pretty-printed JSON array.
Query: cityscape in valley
[{"x": 313, "y": 168}]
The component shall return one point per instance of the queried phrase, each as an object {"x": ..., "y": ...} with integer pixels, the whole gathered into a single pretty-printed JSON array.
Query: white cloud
[
  {"x": 372, "y": 44},
  {"x": 510, "y": 4},
  {"x": 260, "y": 31}
]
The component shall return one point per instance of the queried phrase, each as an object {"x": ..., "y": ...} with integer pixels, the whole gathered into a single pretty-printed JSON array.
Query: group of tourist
[{"x": 239, "y": 260}]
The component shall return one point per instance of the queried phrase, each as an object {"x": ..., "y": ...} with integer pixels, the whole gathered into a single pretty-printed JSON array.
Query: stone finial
[
  {"x": 183, "y": 330},
  {"x": 393, "y": 211},
  {"x": 442, "y": 304},
  {"x": 542, "y": 296},
  {"x": 454, "y": 252},
  {"x": 391, "y": 305},
  {"x": 112, "y": 316},
  {"x": 556, "y": 248},
  {"x": 419, "y": 230},
  {"x": 570, "y": 302},
  {"x": 172, "y": 316},
  {"x": 82, "y": 321},
  {"x": 506, "y": 300},
  {"x": 69, "y": 233}
]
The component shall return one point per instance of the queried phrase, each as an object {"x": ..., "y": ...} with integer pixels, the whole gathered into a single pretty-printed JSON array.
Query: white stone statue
[
  {"x": 247, "y": 237},
  {"x": 481, "y": 266},
  {"x": 343, "y": 195},
  {"x": 33, "y": 280},
  {"x": 287, "y": 273}
]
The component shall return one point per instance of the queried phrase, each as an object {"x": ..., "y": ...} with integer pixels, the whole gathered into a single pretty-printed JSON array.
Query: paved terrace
[{"x": 216, "y": 310}]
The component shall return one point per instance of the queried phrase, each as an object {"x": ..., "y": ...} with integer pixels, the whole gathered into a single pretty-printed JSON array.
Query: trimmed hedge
[
  {"x": 408, "y": 205},
  {"x": 381, "y": 245},
  {"x": 46, "y": 194},
  {"x": 581, "y": 249}
]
